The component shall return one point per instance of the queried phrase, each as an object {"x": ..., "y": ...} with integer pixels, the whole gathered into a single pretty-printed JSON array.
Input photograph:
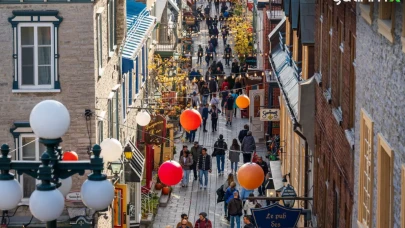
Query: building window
[
  {"x": 339, "y": 89},
  {"x": 386, "y": 20},
  {"x": 366, "y": 175},
  {"x": 137, "y": 75},
  {"x": 366, "y": 9},
  {"x": 385, "y": 188},
  {"x": 330, "y": 27},
  {"x": 352, "y": 87},
  {"x": 124, "y": 97},
  {"x": 35, "y": 51},
  {"x": 100, "y": 130},
  {"x": 99, "y": 29},
  {"x": 144, "y": 63},
  {"x": 112, "y": 18},
  {"x": 30, "y": 149}
]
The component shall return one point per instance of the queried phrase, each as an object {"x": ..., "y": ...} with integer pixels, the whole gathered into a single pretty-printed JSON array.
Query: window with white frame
[
  {"x": 100, "y": 130},
  {"x": 35, "y": 55},
  {"x": 35, "y": 51},
  {"x": 140, "y": 70},
  {"x": 99, "y": 27},
  {"x": 30, "y": 150},
  {"x": 112, "y": 41}
]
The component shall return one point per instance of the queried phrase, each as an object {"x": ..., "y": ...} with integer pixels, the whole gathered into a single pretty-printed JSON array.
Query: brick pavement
[{"x": 192, "y": 200}]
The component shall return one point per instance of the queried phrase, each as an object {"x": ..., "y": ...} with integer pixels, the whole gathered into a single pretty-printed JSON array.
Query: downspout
[{"x": 296, "y": 126}]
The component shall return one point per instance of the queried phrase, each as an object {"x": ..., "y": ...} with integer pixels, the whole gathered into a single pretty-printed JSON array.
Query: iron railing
[{"x": 167, "y": 38}]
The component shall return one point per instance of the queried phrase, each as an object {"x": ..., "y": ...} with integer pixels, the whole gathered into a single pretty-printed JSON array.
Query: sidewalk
[{"x": 192, "y": 200}]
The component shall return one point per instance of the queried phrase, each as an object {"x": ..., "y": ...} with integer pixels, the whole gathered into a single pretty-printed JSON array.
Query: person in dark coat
[
  {"x": 216, "y": 3},
  {"x": 204, "y": 115},
  {"x": 248, "y": 147},
  {"x": 204, "y": 166},
  {"x": 205, "y": 92},
  {"x": 243, "y": 133},
  {"x": 221, "y": 67},
  {"x": 247, "y": 220},
  {"x": 200, "y": 54},
  {"x": 265, "y": 169},
  {"x": 235, "y": 67},
  {"x": 213, "y": 86},
  {"x": 214, "y": 117},
  {"x": 235, "y": 209},
  {"x": 220, "y": 147},
  {"x": 228, "y": 53}
]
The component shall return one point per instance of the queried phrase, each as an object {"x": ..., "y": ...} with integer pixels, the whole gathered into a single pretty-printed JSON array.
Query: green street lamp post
[{"x": 50, "y": 120}]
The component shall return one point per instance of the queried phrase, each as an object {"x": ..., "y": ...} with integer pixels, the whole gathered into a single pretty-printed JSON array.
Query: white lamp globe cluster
[{"x": 50, "y": 119}]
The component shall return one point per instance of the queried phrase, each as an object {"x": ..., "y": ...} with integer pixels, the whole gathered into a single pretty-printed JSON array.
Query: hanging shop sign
[
  {"x": 276, "y": 215},
  {"x": 251, "y": 61},
  {"x": 269, "y": 114},
  {"x": 120, "y": 206},
  {"x": 155, "y": 131}
]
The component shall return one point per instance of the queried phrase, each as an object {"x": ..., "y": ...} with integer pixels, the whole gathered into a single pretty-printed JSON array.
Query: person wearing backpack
[{"x": 220, "y": 147}]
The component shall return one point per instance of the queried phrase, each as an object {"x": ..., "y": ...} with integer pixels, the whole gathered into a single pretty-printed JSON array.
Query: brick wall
[{"x": 333, "y": 155}]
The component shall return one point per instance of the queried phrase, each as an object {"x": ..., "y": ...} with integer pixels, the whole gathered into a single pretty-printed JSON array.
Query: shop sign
[
  {"x": 251, "y": 61},
  {"x": 74, "y": 197},
  {"x": 276, "y": 216},
  {"x": 269, "y": 114},
  {"x": 155, "y": 131}
]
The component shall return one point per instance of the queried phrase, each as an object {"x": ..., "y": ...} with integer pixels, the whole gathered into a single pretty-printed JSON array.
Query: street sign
[
  {"x": 270, "y": 114},
  {"x": 276, "y": 216},
  {"x": 74, "y": 197}
]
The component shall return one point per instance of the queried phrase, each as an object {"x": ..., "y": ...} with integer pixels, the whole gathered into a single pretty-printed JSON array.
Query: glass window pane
[
  {"x": 44, "y": 75},
  {"x": 28, "y": 151},
  {"x": 27, "y": 36},
  {"x": 44, "y": 55},
  {"x": 27, "y": 65},
  {"x": 44, "y": 35}
]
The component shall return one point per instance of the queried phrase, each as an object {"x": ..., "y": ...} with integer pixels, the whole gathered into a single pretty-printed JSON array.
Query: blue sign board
[{"x": 276, "y": 215}]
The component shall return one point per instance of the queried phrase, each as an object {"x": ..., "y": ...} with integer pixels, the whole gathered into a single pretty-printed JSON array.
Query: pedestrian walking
[
  {"x": 204, "y": 165},
  {"x": 192, "y": 136},
  {"x": 186, "y": 160},
  {"x": 235, "y": 67},
  {"x": 228, "y": 196},
  {"x": 215, "y": 101},
  {"x": 216, "y": 2},
  {"x": 225, "y": 85},
  {"x": 248, "y": 147},
  {"x": 249, "y": 204},
  {"x": 196, "y": 151},
  {"x": 220, "y": 147},
  {"x": 213, "y": 86},
  {"x": 204, "y": 116},
  {"x": 203, "y": 221},
  {"x": 184, "y": 224},
  {"x": 265, "y": 169},
  {"x": 184, "y": 217},
  {"x": 235, "y": 210},
  {"x": 247, "y": 220},
  {"x": 208, "y": 74},
  {"x": 243, "y": 133},
  {"x": 224, "y": 94},
  {"x": 205, "y": 92},
  {"x": 229, "y": 109},
  {"x": 228, "y": 52},
  {"x": 195, "y": 100},
  {"x": 200, "y": 54},
  {"x": 234, "y": 154},
  {"x": 214, "y": 116}
]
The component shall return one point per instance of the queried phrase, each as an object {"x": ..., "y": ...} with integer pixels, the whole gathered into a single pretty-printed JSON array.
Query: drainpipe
[{"x": 296, "y": 126}]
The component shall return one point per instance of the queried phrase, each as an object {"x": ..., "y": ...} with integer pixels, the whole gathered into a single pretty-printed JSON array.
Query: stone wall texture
[
  {"x": 333, "y": 158},
  {"x": 380, "y": 91}
]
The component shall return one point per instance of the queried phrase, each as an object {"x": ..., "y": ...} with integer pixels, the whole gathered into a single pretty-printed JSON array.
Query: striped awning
[{"x": 137, "y": 34}]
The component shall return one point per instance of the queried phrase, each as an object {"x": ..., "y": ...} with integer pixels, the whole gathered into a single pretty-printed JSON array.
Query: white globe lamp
[
  {"x": 111, "y": 150},
  {"x": 143, "y": 118},
  {"x": 12, "y": 192},
  {"x": 49, "y": 119},
  {"x": 97, "y": 195},
  {"x": 46, "y": 205},
  {"x": 66, "y": 186}
]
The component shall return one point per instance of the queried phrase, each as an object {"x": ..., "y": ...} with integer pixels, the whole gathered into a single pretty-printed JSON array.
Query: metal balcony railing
[{"x": 167, "y": 38}]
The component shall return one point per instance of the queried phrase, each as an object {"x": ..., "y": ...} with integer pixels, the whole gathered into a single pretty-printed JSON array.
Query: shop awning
[
  {"x": 135, "y": 166},
  {"x": 159, "y": 6},
  {"x": 137, "y": 34},
  {"x": 295, "y": 10},
  {"x": 307, "y": 21},
  {"x": 287, "y": 7},
  {"x": 286, "y": 77},
  {"x": 174, "y": 5}
]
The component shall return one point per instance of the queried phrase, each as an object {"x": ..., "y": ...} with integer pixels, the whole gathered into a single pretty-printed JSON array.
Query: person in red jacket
[
  {"x": 225, "y": 85},
  {"x": 203, "y": 222}
]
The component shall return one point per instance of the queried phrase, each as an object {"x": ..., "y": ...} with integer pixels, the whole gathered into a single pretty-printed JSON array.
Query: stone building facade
[
  {"x": 65, "y": 51},
  {"x": 334, "y": 115},
  {"x": 379, "y": 190}
]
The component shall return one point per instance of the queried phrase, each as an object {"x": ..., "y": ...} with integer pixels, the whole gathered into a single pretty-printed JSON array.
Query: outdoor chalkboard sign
[{"x": 276, "y": 215}]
